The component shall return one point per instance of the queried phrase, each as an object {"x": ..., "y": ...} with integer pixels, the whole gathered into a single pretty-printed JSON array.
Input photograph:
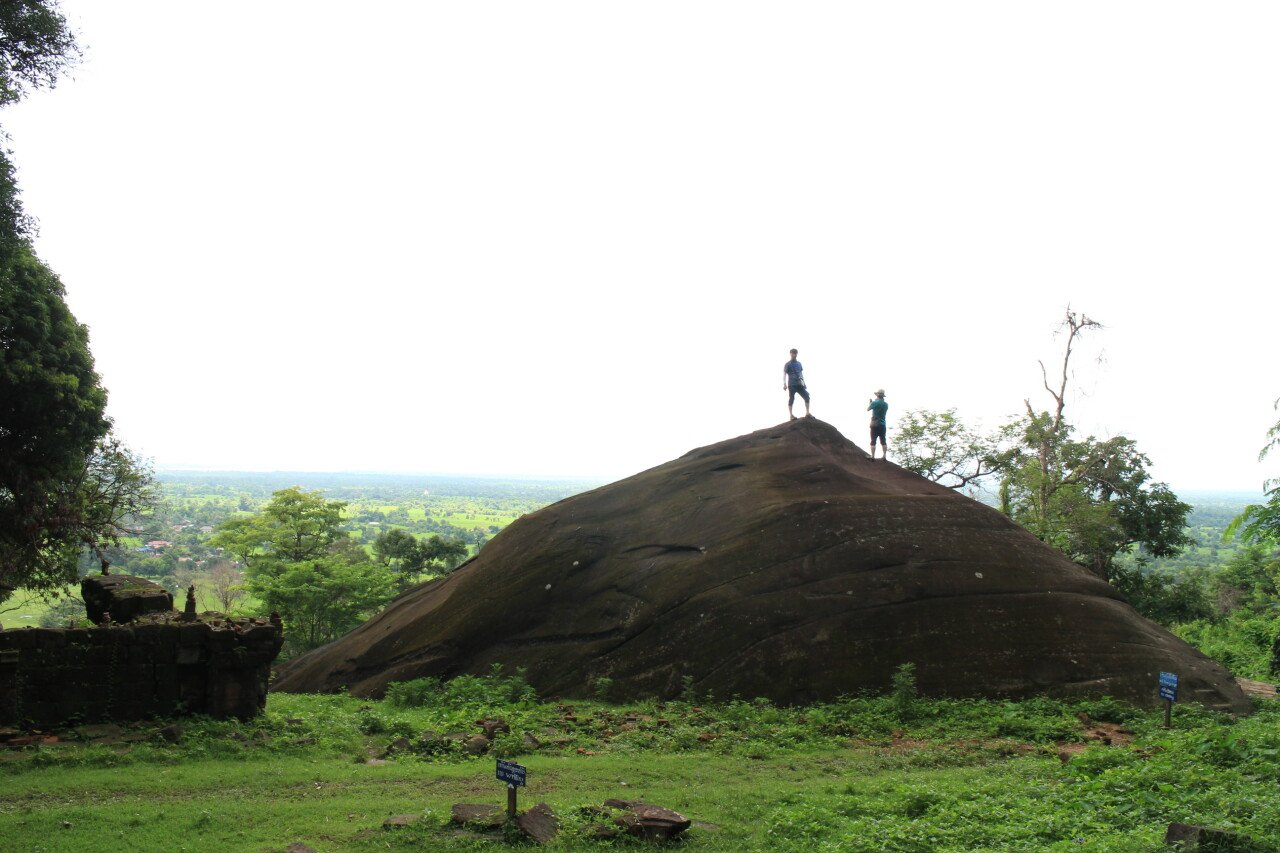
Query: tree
[
  {"x": 322, "y": 599},
  {"x": 1091, "y": 498},
  {"x": 410, "y": 557},
  {"x": 228, "y": 585},
  {"x": 35, "y": 47},
  {"x": 64, "y": 483},
  {"x": 299, "y": 562},
  {"x": 1261, "y": 522},
  {"x": 51, "y": 417},
  {"x": 941, "y": 447},
  {"x": 396, "y": 548},
  {"x": 444, "y": 555}
]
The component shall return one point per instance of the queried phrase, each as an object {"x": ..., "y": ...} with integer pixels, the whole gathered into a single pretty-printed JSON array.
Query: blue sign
[
  {"x": 511, "y": 773},
  {"x": 1169, "y": 686}
]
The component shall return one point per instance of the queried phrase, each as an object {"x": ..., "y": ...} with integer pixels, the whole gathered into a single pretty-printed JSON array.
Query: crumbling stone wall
[{"x": 165, "y": 667}]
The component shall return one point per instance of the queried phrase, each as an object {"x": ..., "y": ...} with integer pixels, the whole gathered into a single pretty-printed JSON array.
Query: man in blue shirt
[
  {"x": 878, "y": 408},
  {"x": 793, "y": 381}
]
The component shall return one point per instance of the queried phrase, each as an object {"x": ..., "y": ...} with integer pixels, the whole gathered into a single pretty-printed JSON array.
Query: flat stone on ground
[
  {"x": 399, "y": 820},
  {"x": 539, "y": 823},
  {"x": 478, "y": 814}
]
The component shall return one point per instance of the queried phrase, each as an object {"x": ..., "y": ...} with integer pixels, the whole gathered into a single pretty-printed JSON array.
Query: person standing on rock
[
  {"x": 793, "y": 381},
  {"x": 879, "y": 409}
]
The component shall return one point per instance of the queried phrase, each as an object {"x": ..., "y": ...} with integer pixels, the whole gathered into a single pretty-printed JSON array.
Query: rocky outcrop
[{"x": 786, "y": 564}]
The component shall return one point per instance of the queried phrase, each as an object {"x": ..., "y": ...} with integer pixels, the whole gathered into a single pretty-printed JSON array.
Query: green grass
[{"x": 863, "y": 774}]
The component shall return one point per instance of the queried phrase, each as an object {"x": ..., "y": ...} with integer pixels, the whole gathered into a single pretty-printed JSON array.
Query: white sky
[{"x": 549, "y": 238}]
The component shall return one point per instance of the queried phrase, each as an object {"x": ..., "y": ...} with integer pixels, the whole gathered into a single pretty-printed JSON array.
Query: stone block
[
  {"x": 112, "y": 636},
  {"x": 19, "y": 638},
  {"x": 539, "y": 823},
  {"x": 74, "y": 637},
  {"x": 265, "y": 634},
  {"x": 193, "y": 634},
  {"x": 164, "y": 653},
  {"x": 52, "y": 638},
  {"x": 150, "y": 633},
  {"x": 189, "y": 655},
  {"x": 221, "y": 640},
  {"x": 1188, "y": 838},
  {"x": 478, "y": 814},
  {"x": 140, "y": 654},
  {"x": 125, "y": 597}
]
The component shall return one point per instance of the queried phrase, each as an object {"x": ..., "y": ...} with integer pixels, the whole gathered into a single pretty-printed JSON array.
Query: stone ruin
[{"x": 143, "y": 660}]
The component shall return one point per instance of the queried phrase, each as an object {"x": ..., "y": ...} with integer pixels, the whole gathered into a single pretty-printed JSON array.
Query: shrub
[{"x": 904, "y": 693}]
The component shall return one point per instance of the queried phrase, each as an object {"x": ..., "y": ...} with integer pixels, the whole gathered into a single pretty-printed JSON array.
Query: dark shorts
[
  {"x": 877, "y": 431},
  {"x": 797, "y": 389}
]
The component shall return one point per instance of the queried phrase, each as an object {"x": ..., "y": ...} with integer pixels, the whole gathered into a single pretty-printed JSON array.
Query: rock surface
[
  {"x": 785, "y": 564},
  {"x": 539, "y": 823},
  {"x": 482, "y": 814},
  {"x": 650, "y": 822},
  {"x": 1188, "y": 838}
]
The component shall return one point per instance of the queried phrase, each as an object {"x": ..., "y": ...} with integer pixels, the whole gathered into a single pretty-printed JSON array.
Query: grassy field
[{"x": 865, "y": 774}]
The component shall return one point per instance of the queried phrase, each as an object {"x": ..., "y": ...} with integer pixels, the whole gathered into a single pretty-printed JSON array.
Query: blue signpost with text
[
  {"x": 514, "y": 775},
  {"x": 1169, "y": 693}
]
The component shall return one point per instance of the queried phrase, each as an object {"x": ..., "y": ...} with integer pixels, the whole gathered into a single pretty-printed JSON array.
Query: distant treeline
[{"x": 367, "y": 486}]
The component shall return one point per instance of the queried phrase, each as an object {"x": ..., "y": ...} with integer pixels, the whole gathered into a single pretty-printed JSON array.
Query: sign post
[
  {"x": 514, "y": 775},
  {"x": 1169, "y": 693}
]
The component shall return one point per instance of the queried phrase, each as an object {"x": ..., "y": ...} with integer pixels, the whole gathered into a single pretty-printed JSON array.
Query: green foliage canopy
[
  {"x": 1261, "y": 522},
  {"x": 65, "y": 483},
  {"x": 409, "y": 556},
  {"x": 1091, "y": 498},
  {"x": 35, "y": 47},
  {"x": 299, "y": 562}
]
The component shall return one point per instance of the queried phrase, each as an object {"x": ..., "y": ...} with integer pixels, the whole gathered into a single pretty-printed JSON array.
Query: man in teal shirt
[{"x": 878, "y": 408}]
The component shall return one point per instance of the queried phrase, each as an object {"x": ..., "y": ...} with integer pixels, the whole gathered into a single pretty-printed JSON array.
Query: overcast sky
[{"x": 548, "y": 238}]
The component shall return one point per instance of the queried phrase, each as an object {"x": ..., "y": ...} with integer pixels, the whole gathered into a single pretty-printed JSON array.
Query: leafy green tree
[
  {"x": 35, "y": 47},
  {"x": 65, "y": 484},
  {"x": 410, "y": 557},
  {"x": 299, "y": 562},
  {"x": 51, "y": 418},
  {"x": 443, "y": 555},
  {"x": 941, "y": 447},
  {"x": 395, "y": 548},
  {"x": 1164, "y": 598},
  {"x": 1261, "y": 522},
  {"x": 1250, "y": 579},
  {"x": 302, "y": 525},
  {"x": 64, "y": 612},
  {"x": 1091, "y": 498},
  {"x": 323, "y": 598}
]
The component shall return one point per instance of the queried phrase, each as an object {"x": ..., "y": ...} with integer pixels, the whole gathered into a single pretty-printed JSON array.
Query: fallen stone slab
[
  {"x": 492, "y": 727},
  {"x": 539, "y": 823},
  {"x": 647, "y": 821},
  {"x": 99, "y": 730},
  {"x": 400, "y": 744},
  {"x": 396, "y": 821},
  {"x": 478, "y": 814},
  {"x": 125, "y": 597},
  {"x": 1188, "y": 838},
  {"x": 477, "y": 745}
]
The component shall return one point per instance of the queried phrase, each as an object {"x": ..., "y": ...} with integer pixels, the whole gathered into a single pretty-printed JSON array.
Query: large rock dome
[{"x": 785, "y": 563}]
